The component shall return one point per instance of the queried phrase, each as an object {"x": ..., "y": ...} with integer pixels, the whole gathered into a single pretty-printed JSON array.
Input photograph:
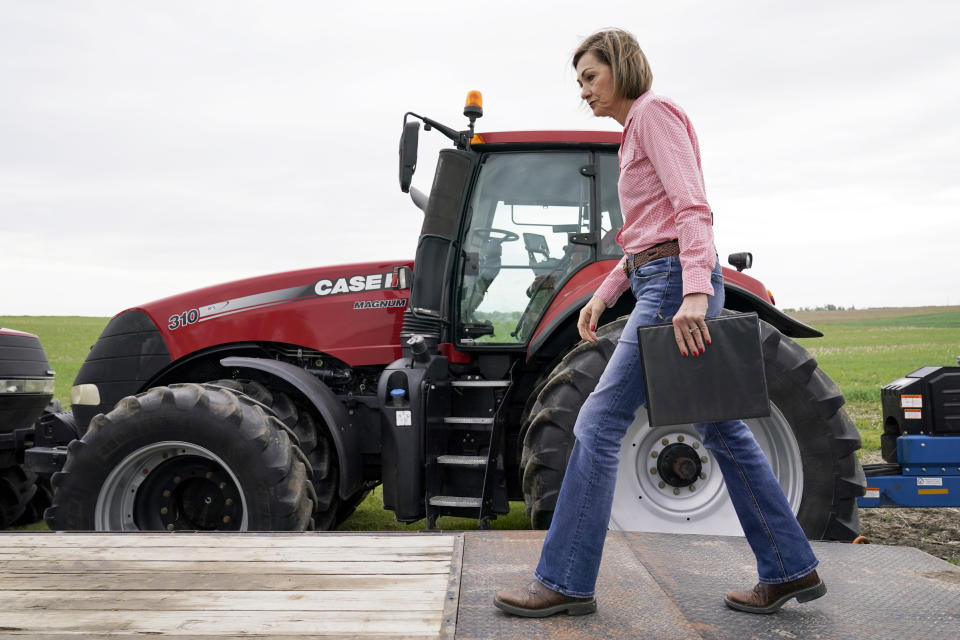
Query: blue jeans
[{"x": 570, "y": 559}]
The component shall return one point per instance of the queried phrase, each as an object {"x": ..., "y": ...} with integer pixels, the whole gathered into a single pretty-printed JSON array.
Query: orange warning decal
[{"x": 910, "y": 401}]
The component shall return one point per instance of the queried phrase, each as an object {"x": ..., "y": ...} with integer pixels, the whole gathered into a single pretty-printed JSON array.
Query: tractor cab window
[
  {"x": 611, "y": 217},
  {"x": 517, "y": 246}
]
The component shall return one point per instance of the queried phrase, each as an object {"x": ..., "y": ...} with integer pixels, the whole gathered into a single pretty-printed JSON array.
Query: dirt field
[
  {"x": 936, "y": 531},
  {"x": 853, "y": 315}
]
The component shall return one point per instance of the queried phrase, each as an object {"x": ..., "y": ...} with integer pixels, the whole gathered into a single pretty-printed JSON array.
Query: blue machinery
[
  {"x": 929, "y": 475},
  {"x": 920, "y": 442}
]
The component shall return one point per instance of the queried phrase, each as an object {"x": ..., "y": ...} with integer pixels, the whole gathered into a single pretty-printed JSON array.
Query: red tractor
[{"x": 279, "y": 402}]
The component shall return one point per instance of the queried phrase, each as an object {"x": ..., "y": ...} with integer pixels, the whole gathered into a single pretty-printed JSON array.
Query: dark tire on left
[
  {"x": 187, "y": 456},
  {"x": 42, "y": 499},
  {"x": 17, "y": 490}
]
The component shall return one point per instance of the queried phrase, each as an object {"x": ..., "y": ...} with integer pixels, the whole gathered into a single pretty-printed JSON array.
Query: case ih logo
[{"x": 356, "y": 284}]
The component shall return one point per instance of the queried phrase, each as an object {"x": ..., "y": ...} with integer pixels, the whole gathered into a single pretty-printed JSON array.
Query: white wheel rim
[
  {"x": 642, "y": 501},
  {"x": 118, "y": 494}
]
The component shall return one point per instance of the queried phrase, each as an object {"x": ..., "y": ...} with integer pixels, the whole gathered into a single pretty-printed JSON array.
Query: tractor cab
[{"x": 516, "y": 216}]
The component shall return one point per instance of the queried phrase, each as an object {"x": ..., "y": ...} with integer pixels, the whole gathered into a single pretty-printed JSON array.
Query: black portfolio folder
[{"x": 724, "y": 383}]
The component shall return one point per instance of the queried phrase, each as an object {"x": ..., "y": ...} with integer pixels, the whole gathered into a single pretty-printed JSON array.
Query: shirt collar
[{"x": 635, "y": 108}]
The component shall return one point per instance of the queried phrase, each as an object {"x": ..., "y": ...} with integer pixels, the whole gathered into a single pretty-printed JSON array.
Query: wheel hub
[
  {"x": 679, "y": 465},
  {"x": 187, "y": 492}
]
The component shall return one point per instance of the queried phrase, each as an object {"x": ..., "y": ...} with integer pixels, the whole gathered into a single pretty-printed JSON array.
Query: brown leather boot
[
  {"x": 537, "y": 601},
  {"x": 767, "y": 598}
]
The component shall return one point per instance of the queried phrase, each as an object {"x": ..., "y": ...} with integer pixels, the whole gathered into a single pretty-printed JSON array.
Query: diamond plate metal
[{"x": 671, "y": 586}]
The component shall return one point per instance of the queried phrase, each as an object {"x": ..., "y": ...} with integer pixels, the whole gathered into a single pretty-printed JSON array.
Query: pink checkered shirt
[{"x": 662, "y": 194}]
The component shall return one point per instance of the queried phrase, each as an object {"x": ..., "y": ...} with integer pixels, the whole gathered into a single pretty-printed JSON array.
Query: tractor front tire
[
  {"x": 184, "y": 457},
  {"x": 313, "y": 439},
  {"x": 809, "y": 439}
]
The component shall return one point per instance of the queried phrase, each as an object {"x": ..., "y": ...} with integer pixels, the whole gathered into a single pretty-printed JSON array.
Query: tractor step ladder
[{"x": 464, "y": 464}]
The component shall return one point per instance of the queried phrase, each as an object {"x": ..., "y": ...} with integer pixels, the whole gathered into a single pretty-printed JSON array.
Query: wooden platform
[{"x": 61, "y": 585}]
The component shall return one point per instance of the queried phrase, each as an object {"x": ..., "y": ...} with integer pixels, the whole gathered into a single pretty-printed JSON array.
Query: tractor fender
[
  {"x": 346, "y": 437},
  {"x": 737, "y": 299}
]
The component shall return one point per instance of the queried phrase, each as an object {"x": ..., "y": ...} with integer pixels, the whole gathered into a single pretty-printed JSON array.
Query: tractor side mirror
[
  {"x": 742, "y": 260},
  {"x": 408, "y": 153}
]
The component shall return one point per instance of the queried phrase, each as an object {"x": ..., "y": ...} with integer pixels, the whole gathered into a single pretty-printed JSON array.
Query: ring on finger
[{"x": 694, "y": 330}]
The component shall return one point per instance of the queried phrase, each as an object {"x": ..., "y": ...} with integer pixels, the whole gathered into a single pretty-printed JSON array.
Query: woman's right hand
[{"x": 589, "y": 316}]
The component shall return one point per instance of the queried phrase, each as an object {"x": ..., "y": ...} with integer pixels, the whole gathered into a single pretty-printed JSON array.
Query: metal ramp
[{"x": 670, "y": 587}]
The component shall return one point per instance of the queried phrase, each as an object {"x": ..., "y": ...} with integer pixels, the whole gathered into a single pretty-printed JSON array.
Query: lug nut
[
  {"x": 680, "y": 438},
  {"x": 696, "y": 445},
  {"x": 209, "y": 475},
  {"x": 222, "y": 485},
  {"x": 661, "y": 484},
  {"x": 703, "y": 476},
  {"x": 228, "y": 501},
  {"x": 166, "y": 493},
  {"x": 226, "y": 519},
  {"x": 176, "y": 480},
  {"x": 170, "y": 527},
  {"x": 654, "y": 454},
  {"x": 163, "y": 510},
  {"x": 653, "y": 470},
  {"x": 693, "y": 487},
  {"x": 145, "y": 471},
  {"x": 664, "y": 442},
  {"x": 676, "y": 491},
  {"x": 703, "y": 459}
]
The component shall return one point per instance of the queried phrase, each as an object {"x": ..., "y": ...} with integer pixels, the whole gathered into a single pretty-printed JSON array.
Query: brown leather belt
[{"x": 662, "y": 250}]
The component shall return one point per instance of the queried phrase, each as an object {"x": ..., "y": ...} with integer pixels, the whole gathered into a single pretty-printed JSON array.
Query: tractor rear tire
[
  {"x": 312, "y": 438},
  {"x": 808, "y": 428},
  {"x": 187, "y": 456}
]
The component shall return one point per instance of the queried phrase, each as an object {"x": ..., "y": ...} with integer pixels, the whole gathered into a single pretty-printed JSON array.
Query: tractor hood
[{"x": 352, "y": 312}]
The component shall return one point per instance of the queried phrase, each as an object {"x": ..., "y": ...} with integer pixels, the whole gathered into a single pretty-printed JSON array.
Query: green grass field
[
  {"x": 864, "y": 350},
  {"x": 861, "y": 350}
]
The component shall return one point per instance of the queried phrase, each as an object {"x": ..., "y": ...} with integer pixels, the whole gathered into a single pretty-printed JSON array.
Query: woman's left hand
[{"x": 689, "y": 327}]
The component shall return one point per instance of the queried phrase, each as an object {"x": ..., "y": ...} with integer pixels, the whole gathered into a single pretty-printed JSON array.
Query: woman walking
[{"x": 671, "y": 266}]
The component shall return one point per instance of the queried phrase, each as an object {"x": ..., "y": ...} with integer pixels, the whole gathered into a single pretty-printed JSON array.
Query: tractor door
[{"x": 532, "y": 222}]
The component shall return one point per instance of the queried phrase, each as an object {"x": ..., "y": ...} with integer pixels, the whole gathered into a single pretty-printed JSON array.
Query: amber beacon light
[{"x": 473, "y": 108}]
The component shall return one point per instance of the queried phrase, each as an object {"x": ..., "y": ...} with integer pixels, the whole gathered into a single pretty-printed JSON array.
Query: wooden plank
[
  {"x": 224, "y": 540},
  {"x": 230, "y": 623},
  {"x": 115, "y": 635},
  {"x": 213, "y": 581},
  {"x": 370, "y": 600},
  {"x": 217, "y": 554},
  {"x": 451, "y": 605},
  {"x": 120, "y": 566}
]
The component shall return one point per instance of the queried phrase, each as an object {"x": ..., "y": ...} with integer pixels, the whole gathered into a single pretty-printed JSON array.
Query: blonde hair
[{"x": 619, "y": 50}]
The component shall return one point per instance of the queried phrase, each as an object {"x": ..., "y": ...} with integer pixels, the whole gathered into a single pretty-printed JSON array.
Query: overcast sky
[{"x": 152, "y": 148}]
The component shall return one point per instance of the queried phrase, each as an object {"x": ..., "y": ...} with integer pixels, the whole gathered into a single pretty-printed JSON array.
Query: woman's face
[{"x": 596, "y": 85}]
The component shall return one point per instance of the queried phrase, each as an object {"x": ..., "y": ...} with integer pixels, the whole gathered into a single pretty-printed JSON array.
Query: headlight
[{"x": 43, "y": 385}]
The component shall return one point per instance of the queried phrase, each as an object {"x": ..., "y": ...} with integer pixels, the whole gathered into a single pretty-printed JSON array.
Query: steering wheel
[{"x": 486, "y": 233}]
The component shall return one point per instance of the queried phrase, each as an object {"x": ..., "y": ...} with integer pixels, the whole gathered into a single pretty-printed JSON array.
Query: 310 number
[{"x": 178, "y": 320}]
